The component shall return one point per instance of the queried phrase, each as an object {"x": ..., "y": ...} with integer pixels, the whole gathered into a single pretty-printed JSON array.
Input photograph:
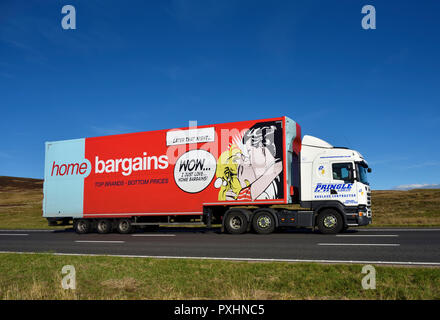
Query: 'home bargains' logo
[
  {"x": 71, "y": 169},
  {"x": 126, "y": 166}
]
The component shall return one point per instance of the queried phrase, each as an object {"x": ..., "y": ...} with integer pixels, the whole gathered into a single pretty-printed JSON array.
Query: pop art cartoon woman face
[
  {"x": 227, "y": 181},
  {"x": 264, "y": 161},
  {"x": 254, "y": 175},
  {"x": 259, "y": 142}
]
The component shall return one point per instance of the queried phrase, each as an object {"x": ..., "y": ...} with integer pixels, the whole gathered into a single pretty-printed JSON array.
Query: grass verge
[{"x": 38, "y": 276}]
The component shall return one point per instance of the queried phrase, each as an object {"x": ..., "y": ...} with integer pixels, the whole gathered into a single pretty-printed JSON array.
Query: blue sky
[{"x": 146, "y": 65}]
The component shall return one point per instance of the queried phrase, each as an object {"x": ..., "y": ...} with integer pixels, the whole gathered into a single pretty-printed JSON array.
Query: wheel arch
[
  {"x": 334, "y": 206},
  {"x": 247, "y": 213}
]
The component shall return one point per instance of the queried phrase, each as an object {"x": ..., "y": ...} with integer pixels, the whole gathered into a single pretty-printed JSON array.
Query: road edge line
[{"x": 407, "y": 263}]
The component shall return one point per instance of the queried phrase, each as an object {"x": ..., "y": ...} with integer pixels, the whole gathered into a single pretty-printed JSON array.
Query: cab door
[{"x": 343, "y": 183}]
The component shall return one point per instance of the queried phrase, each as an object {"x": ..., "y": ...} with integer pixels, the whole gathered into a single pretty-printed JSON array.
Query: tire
[
  {"x": 236, "y": 222},
  {"x": 104, "y": 226},
  {"x": 263, "y": 222},
  {"x": 330, "y": 221},
  {"x": 124, "y": 226},
  {"x": 82, "y": 226}
]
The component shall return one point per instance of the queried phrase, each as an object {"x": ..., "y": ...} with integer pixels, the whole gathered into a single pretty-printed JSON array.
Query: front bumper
[
  {"x": 363, "y": 221},
  {"x": 362, "y": 216},
  {"x": 358, "y": 221}
]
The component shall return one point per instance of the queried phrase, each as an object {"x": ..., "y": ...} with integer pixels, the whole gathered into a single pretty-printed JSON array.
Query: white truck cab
[{"x": 334, "y": 179}]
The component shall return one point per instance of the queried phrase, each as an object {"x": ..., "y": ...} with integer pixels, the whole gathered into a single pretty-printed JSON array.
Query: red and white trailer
[{"x": 231, "y": 173}]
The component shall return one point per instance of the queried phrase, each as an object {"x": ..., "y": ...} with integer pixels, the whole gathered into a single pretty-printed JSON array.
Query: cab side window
[{"x": 342, "y": 171}]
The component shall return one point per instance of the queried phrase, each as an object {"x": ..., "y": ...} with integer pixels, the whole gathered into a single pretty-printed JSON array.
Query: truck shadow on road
[{"x": 215, "y": 230}]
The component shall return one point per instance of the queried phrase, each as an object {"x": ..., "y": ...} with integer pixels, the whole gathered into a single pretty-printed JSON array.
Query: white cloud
[
  {"x": 117, "y": 129},
  {"x": 424, "y": 164},
  {"x": 417, "y": 186}
]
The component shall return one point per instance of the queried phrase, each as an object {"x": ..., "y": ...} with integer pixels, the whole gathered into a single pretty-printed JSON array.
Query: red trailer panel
[{"x": 173, "y": 172}]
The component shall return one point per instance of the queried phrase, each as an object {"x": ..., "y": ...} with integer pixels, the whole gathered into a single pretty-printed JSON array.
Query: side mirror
[{"x": 369, "y": 170}]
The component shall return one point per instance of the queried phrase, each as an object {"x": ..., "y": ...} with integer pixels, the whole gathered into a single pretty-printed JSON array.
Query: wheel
[
  {"x": 330, "y": 221},
  {"x": 82, "y": 226},
  {"x": 236, "y": 222},
  {"x": 104, "y": 226},
  {"x": 124, "y": 226},
  {"x": 263, "y": 222}
]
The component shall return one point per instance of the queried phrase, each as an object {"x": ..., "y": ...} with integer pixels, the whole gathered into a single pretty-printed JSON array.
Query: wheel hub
[
  {"x": 264, "y": 222},
  {"x": 81, "y": 226},
  {"x": 236, "y": 223},
  {"x": 102, "y": 226},
  {"x": 330, "y": 221},
  {"x": 124, "y": 226}
]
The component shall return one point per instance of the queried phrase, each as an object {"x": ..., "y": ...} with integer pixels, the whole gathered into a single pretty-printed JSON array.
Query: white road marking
[
  {"x": 360, "y": 244},
  {"x": 153, "y": 235},
  {"x": 93, "y": 241},
  {"x": 367, "y": 235},
  {"x": 14, "y": 234},
  {"x": 412, "y": 263},
  {"x": 30, "y": 230}
]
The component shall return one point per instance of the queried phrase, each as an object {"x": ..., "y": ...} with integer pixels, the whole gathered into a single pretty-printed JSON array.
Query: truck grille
[{"x": 369, "y": 213}]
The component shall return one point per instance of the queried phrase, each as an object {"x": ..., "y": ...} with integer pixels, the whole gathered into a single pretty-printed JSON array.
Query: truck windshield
[{"x": 362, "y": 172}]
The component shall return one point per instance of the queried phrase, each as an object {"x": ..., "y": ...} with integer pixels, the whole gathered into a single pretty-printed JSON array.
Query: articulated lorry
[{"x": 251, "y": 175}]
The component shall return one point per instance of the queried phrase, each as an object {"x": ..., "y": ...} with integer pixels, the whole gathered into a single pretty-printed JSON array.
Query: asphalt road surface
[{"x": 388, "y": 246}]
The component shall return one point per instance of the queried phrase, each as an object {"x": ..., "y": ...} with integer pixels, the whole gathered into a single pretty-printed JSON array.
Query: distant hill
[
  {"x": 417, "y": 186},
  {"x": 21, "y": 205},
  {"x": 406, "y": 207},
  {"x": 20, "y": 183}
]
